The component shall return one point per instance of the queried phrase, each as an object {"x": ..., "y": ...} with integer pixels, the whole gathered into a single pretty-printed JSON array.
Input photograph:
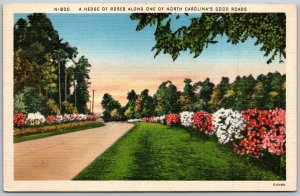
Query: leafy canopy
[{"x": 269, "y": 30}]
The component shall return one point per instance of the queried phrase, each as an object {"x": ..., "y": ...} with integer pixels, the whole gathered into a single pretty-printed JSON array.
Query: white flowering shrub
[
  {"x": 35, "y": 119},
  {"x": 81, "y": 117},
  {"x": 186, "y": 118},
  {"x": 134, "y": 120},
  {"x": 160, "y": 119},
  {"x": 60, "y": 118},
  {"x": 228, "y": 124}
]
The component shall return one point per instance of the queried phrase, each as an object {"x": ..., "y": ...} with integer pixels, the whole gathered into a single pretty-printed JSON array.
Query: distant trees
[
  {"x": 40, "y": 58},
  {"x": 129, "y": 108},
  {"x": 264, "y": 92},
  {"x": 111, "y": 108}
]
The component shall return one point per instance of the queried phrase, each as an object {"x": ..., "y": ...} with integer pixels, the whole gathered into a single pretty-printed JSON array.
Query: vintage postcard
[{"x": 150, "y": 97}]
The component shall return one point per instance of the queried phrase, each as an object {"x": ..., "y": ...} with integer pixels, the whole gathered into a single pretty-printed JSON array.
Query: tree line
[
  {"x": 42, "y": 80},
  {"x": 264, "y": 92}
]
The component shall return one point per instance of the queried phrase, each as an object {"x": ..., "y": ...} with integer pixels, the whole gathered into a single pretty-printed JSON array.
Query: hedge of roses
[
  {"x": 252, "y": 131},
  {"x": 173, "y": 119},
  {"x": 203, "y": 122},
  {"x": 265, "y": 130},
  {"x": 228, "y": 125},
  {"x": 186, "y": 119},
  {"x": 37, "y": 119}
]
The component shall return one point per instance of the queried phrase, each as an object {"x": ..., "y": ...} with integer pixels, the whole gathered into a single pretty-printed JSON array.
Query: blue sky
[{"x": 122, "y": 59}]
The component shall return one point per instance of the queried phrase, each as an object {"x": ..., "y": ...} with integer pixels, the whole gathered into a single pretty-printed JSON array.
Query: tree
[
  {"x": 144, "y": 105},
  {"x": 204, "y": 95},
  {"x": 218, "y": 94},
  {"x": 269, "y": 30},
  {"x": 239, "y": 92},
  {"x": 129, "y": 108},
  {"x": 81, "y": 72},
  {"x": 276, "y": 90},
  {"x": 187, "y": 97},
  {"x": 36, "y": 44},
  {"x": 166, "y": 99},
  {"x": 258, "y": 97},
  {"x": 109, "y": 104}
]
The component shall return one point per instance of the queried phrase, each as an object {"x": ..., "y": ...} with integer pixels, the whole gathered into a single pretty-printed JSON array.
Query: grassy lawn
[
  {"x": 158, "y": 152},
  {"x": 58, "y": 132}
]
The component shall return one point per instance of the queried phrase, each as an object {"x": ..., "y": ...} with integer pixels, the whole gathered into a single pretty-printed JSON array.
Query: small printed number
[{"x": 278, "y": 184}]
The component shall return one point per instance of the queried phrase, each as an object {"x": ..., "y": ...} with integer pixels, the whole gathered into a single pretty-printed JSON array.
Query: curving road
[{"x": 61, "y": 157}]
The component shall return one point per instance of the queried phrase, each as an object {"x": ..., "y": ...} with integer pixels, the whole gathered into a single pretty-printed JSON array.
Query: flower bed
[
  {"x": 49, "y": 128},
  {"x": 252, "y": 131},
  {"x": 36, "y": 123},
  {"x": 36, "y": 119}
]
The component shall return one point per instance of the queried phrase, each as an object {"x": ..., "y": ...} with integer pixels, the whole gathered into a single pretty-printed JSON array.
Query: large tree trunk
[
  {"x": 65, "y": 84},
  {"x": 39, "y": 90},
  {"x": 74, "y": 93},
  {"x": 46, "y": 93},
  {"x": 59, "y": 88}
]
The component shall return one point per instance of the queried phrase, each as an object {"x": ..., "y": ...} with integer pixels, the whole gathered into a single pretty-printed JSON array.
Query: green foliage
[
  {"x": 28, "y": 101},
  {"x": 269, "y": 30},
  {"x": 204, "y": 95},
  {"x": 52, "y": 107},
  {"x": 129, "y": 113},
  {"x": 35, "y": 59},
  {"x": 33, "y": 102},
  {"x": 19, "y": 103},
  {"x": 129, "y": 108},
  {"x": 218, "y": 94},
  {"x": 70, "y": 108},
  {"x": 81, "y": 72},
  {"x": 115, "y": 115},
  {"x": 152, "y": 151},
  {"x": 166, "y": 99},
  {"x": 109, "y": 104},
  {"x": 144, "y": 105},
  {"x": 186, "y": 103},
  {"x": 264, "y": 92}
]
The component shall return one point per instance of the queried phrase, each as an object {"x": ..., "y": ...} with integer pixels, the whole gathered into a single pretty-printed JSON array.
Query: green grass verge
[
  {"x": 153, "y": 151},
  {"x": 58, "y": 132}
]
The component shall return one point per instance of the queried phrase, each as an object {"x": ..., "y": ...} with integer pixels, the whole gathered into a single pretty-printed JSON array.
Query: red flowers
[
  {"x": 91, "y": 117},
  {"x": 148, "y": 119},
  {"x": 50, "y": 119},
  {"x": 19, "y": 119},
  {"x": 274, "y": 140},
  {"x": 265, "y": 130},
  {"x": 173, "y": 119},
  {"x": 203, "y": 121}
]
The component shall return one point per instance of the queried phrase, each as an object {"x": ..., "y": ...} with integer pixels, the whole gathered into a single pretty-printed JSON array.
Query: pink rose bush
[
  {"x": 19, "y": 119},
  {"x": 173, "y": 119},
  {"x": 274, "y": 141},
  {"x": 265, "y": 130},
  {"x": 203, "y": 122}
]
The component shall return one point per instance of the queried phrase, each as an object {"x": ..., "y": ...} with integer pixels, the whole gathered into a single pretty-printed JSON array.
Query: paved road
[{"x": 61, "y": 157}]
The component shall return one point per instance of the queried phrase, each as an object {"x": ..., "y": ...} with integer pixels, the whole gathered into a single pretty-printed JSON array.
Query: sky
[{"x": 122, "y": 59}]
